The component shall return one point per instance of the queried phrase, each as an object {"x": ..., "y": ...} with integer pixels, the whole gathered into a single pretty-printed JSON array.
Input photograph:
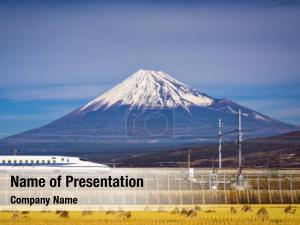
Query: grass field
[{"x": 206, "y": 215}]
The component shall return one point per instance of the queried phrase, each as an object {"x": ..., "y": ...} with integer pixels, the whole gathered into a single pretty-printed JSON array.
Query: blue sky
[{"x": 56, "y": 55}]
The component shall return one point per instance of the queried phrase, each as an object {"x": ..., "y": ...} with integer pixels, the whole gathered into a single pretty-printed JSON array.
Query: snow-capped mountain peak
[{"x": 150, "y": 89}]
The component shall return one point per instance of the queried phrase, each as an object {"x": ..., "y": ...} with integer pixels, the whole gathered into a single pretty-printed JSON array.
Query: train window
[
  {"x": 62, "y": 159},
  {"x": 43, "y": 161},
  {"x": 15, "y": 161},
  {"x": 32, "y": 161},
  {"x": 9, "y": 161},
  {"x": 48, "y": 161},
  {"x": 21, "y": 161},
  {"x": 68, "y": 160},
  {"x": 3, "y": 161},
  {"x": 54, "y": 161},
  {"x": 37, "y": 161},
  {"x": 26, "y": 161}
]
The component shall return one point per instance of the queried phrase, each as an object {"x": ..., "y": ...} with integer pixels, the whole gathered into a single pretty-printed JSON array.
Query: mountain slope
[
  {"x": 275, "y": 151},
  {"x": 148, "y": 111}
]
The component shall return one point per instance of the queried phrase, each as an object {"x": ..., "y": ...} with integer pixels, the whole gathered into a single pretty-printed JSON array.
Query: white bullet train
[{"x": 16, "y": 163}]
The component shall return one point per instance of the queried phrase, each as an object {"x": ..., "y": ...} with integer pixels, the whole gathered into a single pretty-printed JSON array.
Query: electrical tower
[
  {"x": 220, "y": 142},
  {"x": 239, "y": 143},
  {"x": 240, "y": 139}
]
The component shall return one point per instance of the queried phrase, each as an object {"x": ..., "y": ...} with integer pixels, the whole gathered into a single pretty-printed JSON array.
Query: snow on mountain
[
  {"x": 260, "y": 117},
  {"x": 235, "y": 111},
  {"x": 150, "y": 89}
]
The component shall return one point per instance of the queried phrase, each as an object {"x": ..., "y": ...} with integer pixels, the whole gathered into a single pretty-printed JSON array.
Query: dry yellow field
[{"x": 206, "y": 215}]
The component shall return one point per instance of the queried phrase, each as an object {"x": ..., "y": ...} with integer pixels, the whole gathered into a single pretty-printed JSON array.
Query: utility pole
[
  {"x": 213, "y": 163},
  {"x": 15, "y": 152},
  {"x": 240, "y": 140},
  {"x": 189, "y": 158},
  {"x": 220, "y": 143},
  {"x": 240, "y": 176},
  {"x": 190, "y": 170}
]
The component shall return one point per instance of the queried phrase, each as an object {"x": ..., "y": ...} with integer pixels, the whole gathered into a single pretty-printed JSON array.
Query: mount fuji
[{"x": 148, "y": 111}]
